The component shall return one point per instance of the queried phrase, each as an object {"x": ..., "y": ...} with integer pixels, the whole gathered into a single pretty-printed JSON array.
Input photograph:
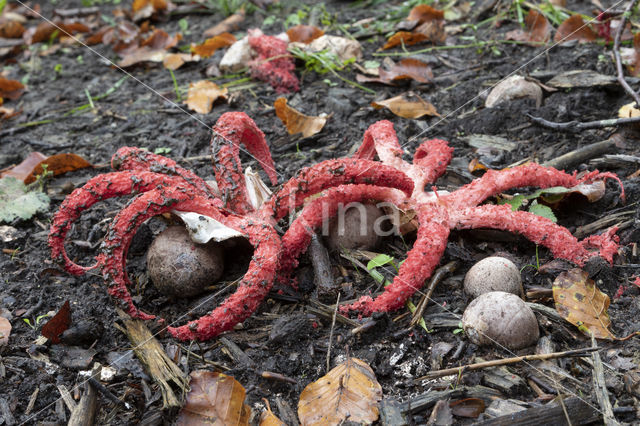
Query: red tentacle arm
[
  {"x": 330, "y": 173},
  {"x": 230, "y": 131},
  {"x": 430, "y": 160},
  {"x": 140, "y": 160},
  {"x": 252, "y": 289},
  {"x": 537, "y": 229},
  {"x": 421, "y": 261},
  {"x": 97, "y": 189},
  {"x": 318, "y": 212},
  {"x": 496, "y": 181},
  {"x": 433, "y": 157}
]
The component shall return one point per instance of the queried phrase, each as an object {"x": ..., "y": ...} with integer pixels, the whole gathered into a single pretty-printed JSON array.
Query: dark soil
[{"x": 146, "y": 116}]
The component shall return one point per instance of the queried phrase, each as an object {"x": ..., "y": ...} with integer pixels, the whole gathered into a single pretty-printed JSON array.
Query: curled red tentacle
[
  {"x": 140, "y": 160},
  {"x": 326, "y": 174},
  {"x": 97, "y": 189},
  {"x": 495, "y": 181},
  {"x": 252, "y": 289},
  {"x": 433, "y": 156},
  {"x": 318, "y": 212},
  {"x": 421, "y": 261},
  {"x": 230, "y": 131},
  {"x": 537, "y": 229}
]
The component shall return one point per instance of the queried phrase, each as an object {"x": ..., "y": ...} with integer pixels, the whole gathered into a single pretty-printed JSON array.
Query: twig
[
  {"x": 323, "y": 276},
  {"x": 575, "y": 126},
  {"x": 505, "y": 361},
  {"x": 67, "y": 398},
  {"x": 600, "y": 387},
  {"x": 435, "y": 280},
  {"x": 108, "y": 394},
  {"x": 583, "y": 154},
  {"x": 616, "y": 53},
  {"x": 333, "y": 324}
]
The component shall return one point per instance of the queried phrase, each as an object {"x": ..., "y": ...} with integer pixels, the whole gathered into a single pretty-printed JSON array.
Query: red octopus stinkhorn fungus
[{"x": 165, "y": 187}]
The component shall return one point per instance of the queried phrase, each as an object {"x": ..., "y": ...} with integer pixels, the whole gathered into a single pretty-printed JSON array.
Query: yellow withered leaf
[
  {"x": 407, "y": 105},
  {"x": 579, "y": 301},
  {"x": 348, "y": 392}
]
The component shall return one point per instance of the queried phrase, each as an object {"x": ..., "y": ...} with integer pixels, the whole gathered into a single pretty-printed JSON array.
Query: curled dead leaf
[
  {"x": 58, "y": 324},
  {"x": 143, "y": 9},
  {"x": 11, "y": 29},
  {"x": 33, "y": 166},
  {"x": 408, "y": 68},
  {"x": 210, "y": 45},
  {"x": 160, "y": 39},
  {"x": 429, "y": 26},
  {"x": 304, "y": 33},
  {"x": 296, "y": 122},
  {"x": 537, "y": 29},
  {"x": 407, "y": 105},
  {"x": 142, "y": 54},
  {"x": 514, "y": 87},
  {"x": 214, "y": 399},
  {"x": 267, "y": 418},
  {"x": 580, "y": 302},
  {"x": 203, "y": 94},
  {"x": 350, "y": 392},
  {"x": 10, "y": 89},
  {"x": 574, "y": 28},
  {"x": 5, "y": 331}
]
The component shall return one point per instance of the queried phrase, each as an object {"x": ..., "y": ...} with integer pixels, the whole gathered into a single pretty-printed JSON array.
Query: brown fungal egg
[
  {"x": 181, "y": 268},
  {"x": 359, "y": 226},
  {"x": 500, "y": 318},
  {"x": 493, "y": 274}
]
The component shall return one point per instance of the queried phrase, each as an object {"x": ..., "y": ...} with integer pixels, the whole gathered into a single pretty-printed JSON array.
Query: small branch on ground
[
  {"x": 616, "y": 53},
  {"x": 576, "y": 126},
  {"x": 584, "y": 153}
]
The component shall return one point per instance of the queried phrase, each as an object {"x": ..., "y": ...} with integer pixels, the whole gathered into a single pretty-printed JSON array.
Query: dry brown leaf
[
  {"x": 46, "y": 30},
  {"x": 579, "y": 301},
  {"x": 24, "y": 169},
  {"x": 33, "y": 166},
  {"x": 231, "y": 23},
  {"x": 267, "y": 418},
  {"x": 467, "y": 407},
  {"x": 10, "y": 89},
  {"x": 296, "y": 122},
  {"x": 58, "y": 324},
  {"x": 406, "y": 38},
  {"x": 407, "y": 68},
  {"x": 350, "y": 392},
  {"x": 5, "y": 331},
  {"x": 514, "y": 87},
  {"x": 11, "y": 29},
  {"x": 173, "y": 61},
  {"x": 214, "y": 399},
  {"x": 536, "y": 29},
  {"x": 304, "y": 33},
  {"x": 7, "y": 113},
  {"x": 574, "y": 28},
  {"x": 430, "y": 27},
  {"x": 203, "y": 94},
  {"x": 142, "y": 54},
  {"x": 143, "y": 9},
  {"x": 160, "y": 39},
  {"x": 212, "y": 44},
  {"x": 424, "y": 13},
  {"x": 407, "y": 105}
]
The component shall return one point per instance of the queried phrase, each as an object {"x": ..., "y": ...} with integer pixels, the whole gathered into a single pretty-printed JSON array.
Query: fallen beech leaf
[
  {"x": 11, "y": 29},
  {"x": 58, "y": 164},
  {"x": 142, "y": 54},
  {"x": 537, "y": 29},
  {"x": 344, "y": 48},
  {"x": 173, "y": 61},
  {"x": 143, "y": 9},
  {"x": 350, "y": 392},
  {"x": 33, "y": 166},
  {"x": 10, "y": 89},
  {"x": 45, "y": 30},
  {"x": 296, "y": 122},
  {"x": 514, "y": 87},
  {"x": 304, "y": 33},
  {"x": 579, "y": 301},
  {"x": 408, "y": 68},
  {"x": 57, "y": 324},
  {"x": 430, "y": 27},
  {"x": 405, "y": 37},
  {"x": 5, "y": 331},
  {"x": 629, "y": 110},
  {"x": 468, "y": 407},
  {"x": 214, "y": 399},
  {"x": 203, "y": 94},
  {"x": 574, "y": 28},
  {"x": 24, "y": 169},
  {"x": 267, "y": 418},
  {"x": 424, "y": 13},
  {"x": 407, "y": 105},
  {"x": 231, "y": 23},
  {"x": 475, "y": 165},
  {"x": 160, "y": 39},
  {"x": 212, "y": 44}
]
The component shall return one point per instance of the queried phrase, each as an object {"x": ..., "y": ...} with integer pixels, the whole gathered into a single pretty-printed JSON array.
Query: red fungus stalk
[{"x": 273, "y": 64}]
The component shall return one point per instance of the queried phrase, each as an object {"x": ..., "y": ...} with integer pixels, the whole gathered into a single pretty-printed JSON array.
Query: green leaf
[
  {"x": 380, "y": 260},
  {"x": 542, "y": 210},
  {"x": 16, "y": 202}
]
